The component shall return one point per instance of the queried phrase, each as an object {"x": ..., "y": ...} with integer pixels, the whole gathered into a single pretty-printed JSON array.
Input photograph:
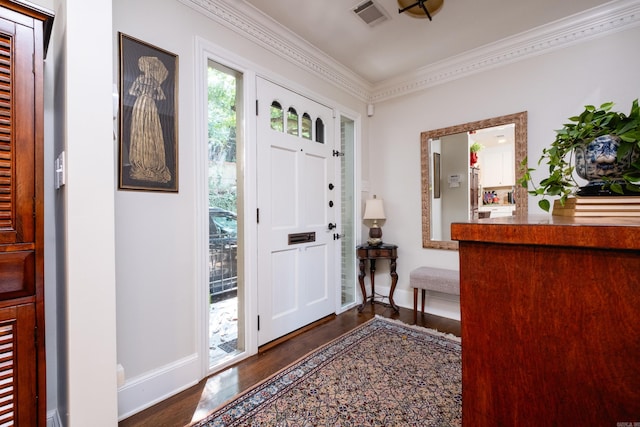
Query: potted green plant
[{"x": 600, "y": 145}]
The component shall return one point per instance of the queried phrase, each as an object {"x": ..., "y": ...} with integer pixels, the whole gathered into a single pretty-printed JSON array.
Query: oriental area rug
[{"x": 383, "y": 373}]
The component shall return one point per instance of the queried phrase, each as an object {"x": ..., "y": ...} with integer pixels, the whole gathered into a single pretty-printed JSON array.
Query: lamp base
[
  {"x": 374, "y": 241},
  {"x": 375, "y": 235}
]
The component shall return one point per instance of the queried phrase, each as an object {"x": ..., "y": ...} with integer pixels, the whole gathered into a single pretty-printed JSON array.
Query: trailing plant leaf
[
  {"x": 633, "y": 187},
  {"x": 544, "y": 204},
  {"x": 632, "y": 176},
  {"x": 616, "y": 188}
]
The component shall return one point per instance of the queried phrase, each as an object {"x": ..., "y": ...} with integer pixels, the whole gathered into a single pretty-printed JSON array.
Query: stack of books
[{"x": 598, "y": 206}]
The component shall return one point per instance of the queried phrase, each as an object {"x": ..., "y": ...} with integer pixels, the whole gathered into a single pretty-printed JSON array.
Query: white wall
[
  {"x": 79, "y": 282},
  {"x": 551, "y": 87},
  {"x": 83, "y": 214},
  {"x": 157, "y": 293}
]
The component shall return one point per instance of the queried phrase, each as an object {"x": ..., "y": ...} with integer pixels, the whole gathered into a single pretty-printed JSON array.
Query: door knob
[
  {"x": 331, "y": 226},
  {"x": 331, "y": 186}
]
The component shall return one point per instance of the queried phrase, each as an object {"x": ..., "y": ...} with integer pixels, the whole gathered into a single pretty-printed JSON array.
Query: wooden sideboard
[{"x": 550, "y": 316}]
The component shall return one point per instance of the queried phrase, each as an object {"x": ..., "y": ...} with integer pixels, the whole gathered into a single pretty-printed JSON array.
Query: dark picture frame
[
  {"x": 148, "y": 117},
  {"x": 436, "y": 175}
]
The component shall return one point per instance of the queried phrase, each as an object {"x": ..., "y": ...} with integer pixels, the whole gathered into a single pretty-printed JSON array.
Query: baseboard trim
[
  {"x": 146, "y": 390},
  {"x": 437, "y": 303}
]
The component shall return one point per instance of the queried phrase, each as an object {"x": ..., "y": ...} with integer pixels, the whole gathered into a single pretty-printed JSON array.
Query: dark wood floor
[{"x": 195, "y": 403}]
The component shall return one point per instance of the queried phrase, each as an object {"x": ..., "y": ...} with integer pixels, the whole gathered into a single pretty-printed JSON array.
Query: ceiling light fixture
[{"x": 420, "y": 8}]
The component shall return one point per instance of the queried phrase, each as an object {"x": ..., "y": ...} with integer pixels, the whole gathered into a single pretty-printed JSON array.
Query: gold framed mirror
[{"x": 429, "y": 139}]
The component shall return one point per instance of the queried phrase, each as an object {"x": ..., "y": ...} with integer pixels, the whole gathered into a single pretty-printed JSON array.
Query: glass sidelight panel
[
  {"x": 347, "y": 172},
  {"x": 226, "y": 291}
]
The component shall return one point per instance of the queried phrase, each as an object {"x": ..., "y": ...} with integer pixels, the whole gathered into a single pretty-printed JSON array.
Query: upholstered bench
[{"x": 432, "y": 279}]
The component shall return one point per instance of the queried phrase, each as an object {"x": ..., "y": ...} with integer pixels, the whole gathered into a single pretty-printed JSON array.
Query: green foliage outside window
[{"x": 222, "y": 139}]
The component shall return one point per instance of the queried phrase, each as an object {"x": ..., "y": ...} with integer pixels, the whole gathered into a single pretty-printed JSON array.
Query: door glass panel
[
  {"x": 225, "y": 227},
  {"x": 319, "y": 130},
  {"x": 292, "y": 121},
  {"x": 307, "y": 124},
  {"x": 277, "y": 117}
]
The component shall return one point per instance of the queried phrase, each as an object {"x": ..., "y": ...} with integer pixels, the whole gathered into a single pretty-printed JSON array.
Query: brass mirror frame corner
[{"x": 520, "y": 152}]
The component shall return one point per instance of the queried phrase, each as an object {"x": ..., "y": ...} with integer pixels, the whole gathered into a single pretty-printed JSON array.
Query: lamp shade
[{"x": 374, "y": 209}]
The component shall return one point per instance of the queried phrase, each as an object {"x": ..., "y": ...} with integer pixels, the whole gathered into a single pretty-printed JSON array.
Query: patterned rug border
[
  {"x": 417, "y": 327},
  {"x": 355, "y": 331}
]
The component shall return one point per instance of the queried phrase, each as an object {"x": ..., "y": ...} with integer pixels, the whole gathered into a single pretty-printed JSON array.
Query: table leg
[
  {"x": 361, "y": 281},
  {"x": 372, "y": 272},
  {"x": 394, "y": 282}
]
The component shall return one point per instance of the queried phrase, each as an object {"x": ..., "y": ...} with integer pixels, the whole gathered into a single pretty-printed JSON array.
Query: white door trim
[{"x": 206, "y": 51}]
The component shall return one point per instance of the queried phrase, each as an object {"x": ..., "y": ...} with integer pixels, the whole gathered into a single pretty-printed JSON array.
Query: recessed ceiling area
[
  {"x": 494, "y": 136},
  {"x": 401, "y": 44}
]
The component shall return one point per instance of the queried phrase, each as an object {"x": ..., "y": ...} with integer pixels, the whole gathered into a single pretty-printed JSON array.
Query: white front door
[{"x": 297, "y": 202}]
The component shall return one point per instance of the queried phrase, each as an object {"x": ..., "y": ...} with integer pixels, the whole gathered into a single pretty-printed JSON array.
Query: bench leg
[
  {"x": 415, "y": 305},
  {"x": 424, "y": 296}
]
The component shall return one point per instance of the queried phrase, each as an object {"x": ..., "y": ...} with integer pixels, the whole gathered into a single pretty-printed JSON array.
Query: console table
[
  {"x": 373, "y": 253},
  {"x": 550, "y": 308}
]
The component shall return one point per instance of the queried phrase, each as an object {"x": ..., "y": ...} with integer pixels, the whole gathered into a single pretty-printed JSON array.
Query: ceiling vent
[{"x": 370, "y": 13}]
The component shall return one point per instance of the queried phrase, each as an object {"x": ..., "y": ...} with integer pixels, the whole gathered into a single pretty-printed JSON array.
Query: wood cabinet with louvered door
[{"x": 24, "y": 33}]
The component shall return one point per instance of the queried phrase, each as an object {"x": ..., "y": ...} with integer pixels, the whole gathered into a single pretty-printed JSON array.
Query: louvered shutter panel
[
  {"x": 17, "y": 162},
  {"x": 6, "y": 146},
  {"x": 17, "y": 366},
  {"x": 7, "y": 376},
  {"x": 6, "y": 151},
  {"x": 17, "y": 148}
]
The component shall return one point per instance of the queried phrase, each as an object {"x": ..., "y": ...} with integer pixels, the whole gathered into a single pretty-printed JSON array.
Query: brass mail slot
[{"x": 297, "y": 238}]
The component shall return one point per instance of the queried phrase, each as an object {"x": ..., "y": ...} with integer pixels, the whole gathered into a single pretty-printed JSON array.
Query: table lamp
[{"x": 374, "y": 210}]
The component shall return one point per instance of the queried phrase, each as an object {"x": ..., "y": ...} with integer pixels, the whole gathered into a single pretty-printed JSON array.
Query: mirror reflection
[{"x": 469, "y": 172}]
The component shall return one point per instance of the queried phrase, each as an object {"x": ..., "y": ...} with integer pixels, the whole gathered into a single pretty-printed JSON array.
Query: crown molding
[
  {"x": 617, "y": 15},
  {"x": 255, "y": 26},
  {"x": 597, "y": 22}
]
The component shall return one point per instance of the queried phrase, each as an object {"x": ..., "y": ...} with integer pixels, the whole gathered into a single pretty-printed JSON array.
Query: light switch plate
[{"x": 59, "y": 171}]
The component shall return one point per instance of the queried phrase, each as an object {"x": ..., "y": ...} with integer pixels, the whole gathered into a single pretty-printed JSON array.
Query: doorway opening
[{"x": 225, "y": 255}]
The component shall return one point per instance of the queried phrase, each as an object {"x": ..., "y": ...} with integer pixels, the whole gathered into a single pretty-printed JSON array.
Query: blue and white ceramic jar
[{"x": 597, "y": 160}]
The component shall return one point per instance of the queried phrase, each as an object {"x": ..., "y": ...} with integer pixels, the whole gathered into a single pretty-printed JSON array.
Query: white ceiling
[{"x": 402, "y": 44}]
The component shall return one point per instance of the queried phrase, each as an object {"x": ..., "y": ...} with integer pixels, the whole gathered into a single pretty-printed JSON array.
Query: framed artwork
[
  {"x": 436, "y": 175},
  {"x": 148, "y": 117}
]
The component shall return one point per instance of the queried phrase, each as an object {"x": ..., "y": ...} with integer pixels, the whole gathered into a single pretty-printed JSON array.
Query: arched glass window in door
[
  {"x": 307, "y": 125},
  {"x": 319, "y": 131},
  {"x": 277, "y": 117},
  {"x": 292, "y": 122}
]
